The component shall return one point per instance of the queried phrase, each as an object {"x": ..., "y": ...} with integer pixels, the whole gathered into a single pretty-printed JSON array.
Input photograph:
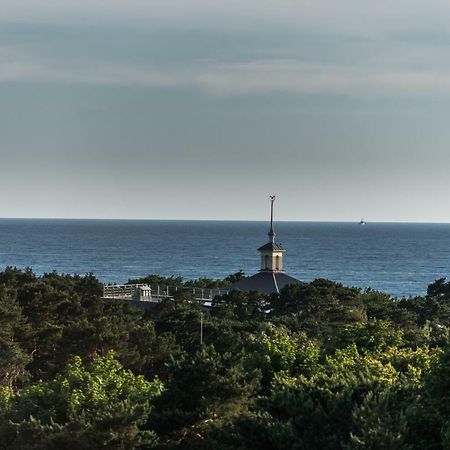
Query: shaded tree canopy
[{"x": 318, "y": 366}]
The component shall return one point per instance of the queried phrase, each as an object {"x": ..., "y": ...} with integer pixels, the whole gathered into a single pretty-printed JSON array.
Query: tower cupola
[
  {"x": 271, "y": 277},
  {"x": 271, "y": 253}
]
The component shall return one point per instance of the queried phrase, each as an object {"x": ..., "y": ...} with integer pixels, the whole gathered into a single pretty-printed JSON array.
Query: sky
[{"x": 199, "y": 109}]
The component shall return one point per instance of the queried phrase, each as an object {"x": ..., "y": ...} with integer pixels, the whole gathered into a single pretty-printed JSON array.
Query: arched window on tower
[
  {"x": 266, "y": 262},
  {"x": 277, "y": 262}
]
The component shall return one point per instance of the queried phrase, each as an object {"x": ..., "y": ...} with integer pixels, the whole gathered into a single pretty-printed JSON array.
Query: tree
[
  {"x": 241, "y": 306},
  {"x": 320, "y": 308},
  {"x": 204, "y": 390},
  {"x": 350, "y": 400},
  {"x": 154, "y": 279},
  {"x": 433, "y": 413},
  {"x": 276, "y": 350},
  {"x": 378, "y": 424},
  {"x": 13, "y": 331},
  {"x": 235, "y": 277},
  {"x": 86, "y": 407},
  {"x": 440, "y": 289},
  {"x": 373, "y": 336}
]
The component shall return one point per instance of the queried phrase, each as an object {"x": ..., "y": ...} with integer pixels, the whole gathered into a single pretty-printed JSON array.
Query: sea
[{"x": 398, "y": 258}]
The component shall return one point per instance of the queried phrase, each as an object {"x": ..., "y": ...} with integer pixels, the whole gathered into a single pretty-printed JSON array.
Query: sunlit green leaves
[{"x": 99, "y": 403}]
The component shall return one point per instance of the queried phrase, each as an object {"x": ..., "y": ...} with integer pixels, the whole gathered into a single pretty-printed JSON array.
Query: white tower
[{"x": 271, "y": 253}]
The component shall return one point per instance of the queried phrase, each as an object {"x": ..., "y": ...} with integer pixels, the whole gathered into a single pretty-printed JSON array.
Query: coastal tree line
[{"x": 318, "y": 366}]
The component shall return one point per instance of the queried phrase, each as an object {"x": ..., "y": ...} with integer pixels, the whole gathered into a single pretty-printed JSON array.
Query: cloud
[
  {"x": 252, "y": 77},
  {"x": 344, "y": 16},
  {"x": 298, "y": 77},
  {"x": 378, "y": 66}
]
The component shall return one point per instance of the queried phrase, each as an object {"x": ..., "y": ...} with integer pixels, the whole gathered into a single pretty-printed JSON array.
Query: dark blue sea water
[{"x": 401, "y": 259}]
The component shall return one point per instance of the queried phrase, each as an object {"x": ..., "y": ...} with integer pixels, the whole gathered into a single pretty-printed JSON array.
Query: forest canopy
[{"x": 318, "y": 366}]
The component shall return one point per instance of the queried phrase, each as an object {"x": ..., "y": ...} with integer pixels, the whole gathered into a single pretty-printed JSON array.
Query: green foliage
[
  {"x": 6, "y": 393},
  {"x": 276, "y": 350},
  {"x": 374, "y": 336},
  {"x": 440, "y": 289},
  {"x": 241, "y": 306},
  {"x": 432, "y": 413},
  {"x": 319, "y": 366},
  {"x": 321, "y": 307},
  {"x": 92, "y": 406},
  {"x": 203, "y": 390},
  {"x": 55, "y": 317},
  {"x": 235, "y": 277},
  {"x": 13, "y": 330},
  {"x": 378, "y": 305},
  {"x": 355, "y": 400},
  {"x": 207, "y": 283},
  {"x": 378, "y": 424},
  {"x": 158, "y": 279}
]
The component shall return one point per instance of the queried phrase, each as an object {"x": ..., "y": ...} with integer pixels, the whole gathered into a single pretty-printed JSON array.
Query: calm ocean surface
[{"x": 401, "y": 259}]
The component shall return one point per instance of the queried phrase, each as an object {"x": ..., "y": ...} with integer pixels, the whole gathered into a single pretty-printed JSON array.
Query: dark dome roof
[
  {"x": 271, "y": 246},
  {"x": 266, "y": 281}
]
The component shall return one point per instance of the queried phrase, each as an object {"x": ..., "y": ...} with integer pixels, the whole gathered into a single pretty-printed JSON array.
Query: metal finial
[{"x": 271, "y": 232}]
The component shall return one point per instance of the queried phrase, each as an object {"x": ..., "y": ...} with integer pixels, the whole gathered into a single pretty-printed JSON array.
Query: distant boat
[{"x": 361, "y": 222}]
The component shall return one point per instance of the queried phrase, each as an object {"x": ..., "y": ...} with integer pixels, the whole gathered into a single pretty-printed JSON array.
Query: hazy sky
[{"x": 200, "y": 109}]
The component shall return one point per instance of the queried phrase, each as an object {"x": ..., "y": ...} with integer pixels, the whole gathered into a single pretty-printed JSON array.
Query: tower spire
[
  {"x": 271, "y": 233},
  {"x": 271, "y": 253}
]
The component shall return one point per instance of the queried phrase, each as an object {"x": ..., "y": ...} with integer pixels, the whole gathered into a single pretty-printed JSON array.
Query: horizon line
[{"x": 225, "y": 220}]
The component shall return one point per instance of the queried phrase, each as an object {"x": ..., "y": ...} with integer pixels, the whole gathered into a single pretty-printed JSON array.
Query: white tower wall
[{"x": 272, "y": 260}]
